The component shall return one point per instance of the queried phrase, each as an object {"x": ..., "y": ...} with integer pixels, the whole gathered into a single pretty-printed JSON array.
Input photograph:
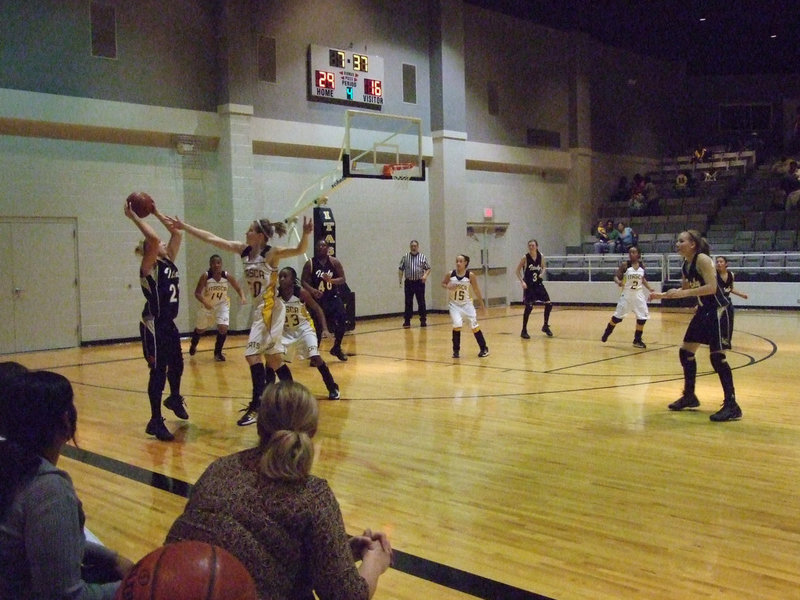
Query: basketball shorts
[
  {"x": 265, "y": 338},
  {"x": 300, "y": 342},
  {"x": 704, "y": 328},
  {"x": 635, "y": 303},
  {"x": 459, "y": 312},
  {"x": 161, "y": 342},
  {"x": 219, "y": 315},
  {"x": 535, "y": 293}
]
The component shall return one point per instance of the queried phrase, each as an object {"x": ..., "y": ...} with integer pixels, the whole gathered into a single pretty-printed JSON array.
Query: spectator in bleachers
[
  {"x": 603, "y": 243},
  {"x": 625, "y": 238},
  {"x": 622, "y": 192},
  {"x": 613, "y": 234},
  {"x": 700, "y": 154},
  {"x": 636, "y": 203},
  {"x": 651, "y": 196},
  {"x": 790, "y": 185}
]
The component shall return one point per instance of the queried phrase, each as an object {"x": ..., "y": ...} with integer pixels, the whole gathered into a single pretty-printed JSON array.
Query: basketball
[
  {"x": 188, "y": 571},
  {"x": 141, "y": 204}
]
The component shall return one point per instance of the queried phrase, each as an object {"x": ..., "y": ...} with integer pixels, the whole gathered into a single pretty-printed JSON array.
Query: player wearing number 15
[
  {"x": 261, "y": 274},
  {"x": 161, "y": 340},
  {"x": 460, "y": 283}
]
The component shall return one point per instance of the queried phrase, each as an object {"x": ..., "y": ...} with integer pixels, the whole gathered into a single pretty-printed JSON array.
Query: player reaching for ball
[
  {"x": 261, "y": 274},
  {"x": 161, "y": 340}
]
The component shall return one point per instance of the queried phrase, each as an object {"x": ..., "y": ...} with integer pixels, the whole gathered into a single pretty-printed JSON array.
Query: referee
[{"x": 415, "y": 269}]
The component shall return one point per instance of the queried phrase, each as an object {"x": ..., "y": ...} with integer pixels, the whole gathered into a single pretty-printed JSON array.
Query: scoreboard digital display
[{"x": 345, "y": 77}]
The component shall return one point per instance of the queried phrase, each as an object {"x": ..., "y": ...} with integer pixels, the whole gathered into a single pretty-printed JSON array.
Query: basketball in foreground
[
  {"x": 141, "y": 204},
  {"x": 188, "y": 571}
]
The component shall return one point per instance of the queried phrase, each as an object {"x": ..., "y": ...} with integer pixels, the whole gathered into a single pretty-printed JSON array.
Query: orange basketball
[
  {"x": 188, "y": 571},
  {"x": 141, "y": 203}
]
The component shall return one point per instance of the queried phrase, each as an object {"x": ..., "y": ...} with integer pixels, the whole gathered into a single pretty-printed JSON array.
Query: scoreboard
[{"x": 345, "y": 77}]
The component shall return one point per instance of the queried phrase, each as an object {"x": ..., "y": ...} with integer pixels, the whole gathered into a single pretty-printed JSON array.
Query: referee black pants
[{"x": 413, "y": 289}]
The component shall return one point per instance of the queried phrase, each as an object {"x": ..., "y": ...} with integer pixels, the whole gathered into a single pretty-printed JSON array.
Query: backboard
[{"x": 377, "y": 144}]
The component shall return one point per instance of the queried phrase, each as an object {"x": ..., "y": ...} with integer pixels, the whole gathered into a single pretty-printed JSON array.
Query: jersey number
[{"x": 292, "y": 320}]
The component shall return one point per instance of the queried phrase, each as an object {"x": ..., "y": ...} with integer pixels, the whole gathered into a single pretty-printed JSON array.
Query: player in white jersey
[
  {"x": 460, "y": 284},
  {"x": 261, "y": 274},
  {"x": 299, "y": 332},
  {"x": 212, "y": 292},
  {"x": 633, "y": 298}
]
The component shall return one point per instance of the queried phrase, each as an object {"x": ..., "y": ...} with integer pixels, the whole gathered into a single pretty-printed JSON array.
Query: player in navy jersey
[
  {"x": 700, "y": 280},
  {"x": 322, "y": 277},
  {"x": 726, "y": 280},
  {"x": 161, "y": 341},
  {"x": 530, "y": 272}
]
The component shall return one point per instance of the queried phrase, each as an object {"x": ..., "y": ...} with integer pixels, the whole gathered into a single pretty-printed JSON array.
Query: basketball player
[
  {"x": 530, "y": 272},
  {"x": 725, "y": 280},
  {"x": 322, "y": 276},
  {"x": 212, "y": 292},
  {"x": 700, "y": 280},
  {"x": 631, "y": 278},
  {"x": 261, "y": 274},
  {"x": 161, "y": 341},
  {"x": 460, "y": 283},
  {"x": 298, "y": 329}
]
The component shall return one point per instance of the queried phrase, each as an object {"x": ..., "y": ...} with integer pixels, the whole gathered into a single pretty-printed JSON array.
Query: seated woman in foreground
[
  {"x": 43, "y": 550},
  {"x": 281, "y": 522}
]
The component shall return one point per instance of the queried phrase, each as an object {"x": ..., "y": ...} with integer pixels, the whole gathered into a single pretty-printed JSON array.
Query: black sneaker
[
  {"x": 456, "y": 354},
  {"x": 192, "y": 348},
  {"x": 525, "y": 335},
  {"x": 638, "y": 344},
  {"x": 337, "y": 352},
  {"x": 423, "y": 323},
  {"x": 685, "y": 401},
  {"x": 219, "y": 357},
  {"x": 334, "y": 393},
  {"x": 730, "y": 411},
  {"x": 546, "y": 329},
  {"x": 157, "y": 428},
  {"x": 249, "y": 417},
  {"x": 484, "y": 352},
  {"x": 176, "y": 405},
  {"x": 406, "y": 325},
  {"x": 605, "y": 337}
]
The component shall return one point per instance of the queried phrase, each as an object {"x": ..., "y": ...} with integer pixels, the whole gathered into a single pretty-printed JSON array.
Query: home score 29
[{"x": 345, "y": 77}]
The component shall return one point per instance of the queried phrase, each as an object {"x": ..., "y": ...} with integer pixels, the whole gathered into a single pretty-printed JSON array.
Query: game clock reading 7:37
[{"x": 345, "y": 77}]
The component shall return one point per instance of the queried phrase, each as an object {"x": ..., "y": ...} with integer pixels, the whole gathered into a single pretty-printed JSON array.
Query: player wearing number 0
[
  {"x": 530, "y": 272},
  {"x": 212, "y": 292},
  {"x": 299, "y": 333},
  {"x": 700, "y": 280},
  {"x": 161, "y": 340},
  {"x": 261, "y": 274},
  {"x": 631, "y": 278},
  {"x": 460, "y": 283}
]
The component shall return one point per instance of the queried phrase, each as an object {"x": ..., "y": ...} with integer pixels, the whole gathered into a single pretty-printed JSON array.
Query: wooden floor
[{"x": 550, "y": 469}]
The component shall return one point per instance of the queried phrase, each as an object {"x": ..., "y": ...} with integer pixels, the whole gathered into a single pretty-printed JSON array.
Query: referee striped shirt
[{"x": 414, "y": 266}]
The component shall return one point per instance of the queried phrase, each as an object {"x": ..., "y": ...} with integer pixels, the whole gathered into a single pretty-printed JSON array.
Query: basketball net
[{"x": 401, "y": 173}]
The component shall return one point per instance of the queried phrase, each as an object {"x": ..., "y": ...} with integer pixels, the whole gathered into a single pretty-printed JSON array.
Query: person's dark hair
[
  {"x": 214, "y": 256},
  {"x": 466, "y": 259},
  {"x": 269, "y": 229},
  {"x": 287, "y": 420},
  {"x": 8, "y": 370},
  {"x": 32, "y": 413}
]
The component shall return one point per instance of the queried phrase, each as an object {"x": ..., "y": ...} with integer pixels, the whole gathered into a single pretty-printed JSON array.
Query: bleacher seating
[
  {"x": 764, "y": 241},
  {"x": 786, "y": 240},
  {"x": 743, "y": 241}
]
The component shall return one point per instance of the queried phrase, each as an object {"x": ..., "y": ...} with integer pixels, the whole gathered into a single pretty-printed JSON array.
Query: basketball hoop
[{"x": 400, "y": 173}]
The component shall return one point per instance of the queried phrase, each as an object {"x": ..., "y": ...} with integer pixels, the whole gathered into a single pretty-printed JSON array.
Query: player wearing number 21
[
  {"x": 261, "y": 274},
  {"x": 460, "y": 284}
]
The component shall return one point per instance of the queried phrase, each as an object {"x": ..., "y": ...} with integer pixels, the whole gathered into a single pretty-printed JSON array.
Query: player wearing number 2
[
  {"x": 631, "y": 278},
  {"x": 460, "y": 283},
  {"x": 161, "y": 340},
  {"x": 212, "y": 292},
  {"x": 261, "y": 274}
]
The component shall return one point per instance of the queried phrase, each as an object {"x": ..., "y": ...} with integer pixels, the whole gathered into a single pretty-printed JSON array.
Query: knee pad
[
  {"x": 641, "y": 321},
  {"x": 616, "y": 321},
  {"x": 686, "y": 357},
  {"x": 717, "y": 360}
]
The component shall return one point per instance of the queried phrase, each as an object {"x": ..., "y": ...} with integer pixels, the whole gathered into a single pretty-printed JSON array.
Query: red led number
[
  {"x": 373, "y": 87},
  {"x": 325, "y": 80}
]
